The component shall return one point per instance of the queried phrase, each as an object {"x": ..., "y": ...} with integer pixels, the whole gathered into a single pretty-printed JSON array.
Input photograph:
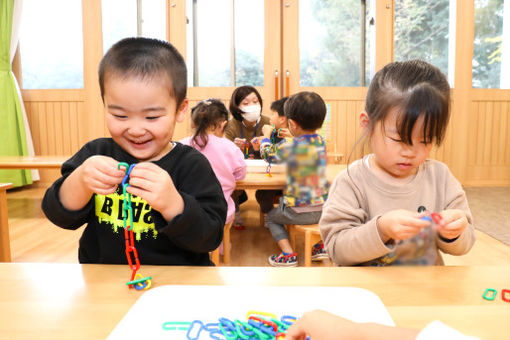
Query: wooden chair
[
  {"x": 312, "y": 236},
  {"x": 215, "y": 254}
]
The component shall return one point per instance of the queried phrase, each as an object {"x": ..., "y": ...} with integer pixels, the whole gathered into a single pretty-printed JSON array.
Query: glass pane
[
  {"x": 249, "y": 42},
  {"x": 120, "y": 20},
  {"x": 225, "y": 42},
  {"x": 51, "y": 44},
  {"x": 425, "y": 29},
  {"x": 330, "y": 41},
  {"x": 491, "y": 68}
]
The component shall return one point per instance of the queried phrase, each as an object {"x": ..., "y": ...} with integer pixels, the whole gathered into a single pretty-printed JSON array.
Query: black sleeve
[
  {"x": 51, "y": 205},
  {"x": 200, "y": 226}
]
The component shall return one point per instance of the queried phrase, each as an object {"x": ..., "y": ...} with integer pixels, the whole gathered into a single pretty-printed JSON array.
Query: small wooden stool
[
  {"x": 215, "y": 254},
  {"x": 312, "y": 236}
]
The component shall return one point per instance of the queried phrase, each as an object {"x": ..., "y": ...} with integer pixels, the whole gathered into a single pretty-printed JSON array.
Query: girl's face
[{"x": 393, "y": 156}]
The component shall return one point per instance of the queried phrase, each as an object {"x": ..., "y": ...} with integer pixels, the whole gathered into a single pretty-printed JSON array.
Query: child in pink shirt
[{"x": 208, "y": 119}]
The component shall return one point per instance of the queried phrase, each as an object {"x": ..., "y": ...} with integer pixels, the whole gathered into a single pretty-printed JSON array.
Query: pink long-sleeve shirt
[{"x": 228, "y": 164}]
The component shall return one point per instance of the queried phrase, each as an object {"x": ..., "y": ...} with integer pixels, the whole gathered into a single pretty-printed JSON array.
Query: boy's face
[
  {"x": 141, "y": 115},
  {"x": 280, "y": 122}
]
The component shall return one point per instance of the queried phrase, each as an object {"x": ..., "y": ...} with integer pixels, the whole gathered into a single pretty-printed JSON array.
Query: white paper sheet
[{"x": 208, "y": 303}]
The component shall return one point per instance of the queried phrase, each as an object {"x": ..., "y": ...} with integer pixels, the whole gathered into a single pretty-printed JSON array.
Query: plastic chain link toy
[
  {"x": 260, "y": 325},
  {"x": 137, "y": 280}
]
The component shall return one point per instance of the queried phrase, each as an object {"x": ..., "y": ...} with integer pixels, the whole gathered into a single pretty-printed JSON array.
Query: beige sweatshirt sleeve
[
  {"x": 349, "y": 237},
  {"x": 456, "y": 199}
]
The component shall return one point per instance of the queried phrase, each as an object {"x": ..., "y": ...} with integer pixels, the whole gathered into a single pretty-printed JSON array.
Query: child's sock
[{"x": 284, "y": 253}]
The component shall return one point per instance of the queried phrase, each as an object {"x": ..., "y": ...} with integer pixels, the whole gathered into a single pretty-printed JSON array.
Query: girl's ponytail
[{"x": 205, "y": 115}]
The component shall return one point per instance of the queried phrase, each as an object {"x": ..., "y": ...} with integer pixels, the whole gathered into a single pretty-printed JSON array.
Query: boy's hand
[
  {"x": 400, "y": 225},
  {"x": 153, "y": 184},
  {"x": 453, "y": 223},
  {"x": 100, "y": 175},
  {"x": 256, "y": 142},
  {"x": 240, "y": 142},
  {"x": 284, "y": 133},
  {"x": 267, "y": 130}
]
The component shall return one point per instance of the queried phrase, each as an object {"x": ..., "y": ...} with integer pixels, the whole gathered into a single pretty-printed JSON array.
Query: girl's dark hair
[
  {"x": 414, "y": 88},
  {"x": 277, "y": 106},
  {"x": 237, "y": 97},
  {"x": 147, "y": 59},
  {"x": 207, "y": 113},
  {"x": 307, "y": 109}
]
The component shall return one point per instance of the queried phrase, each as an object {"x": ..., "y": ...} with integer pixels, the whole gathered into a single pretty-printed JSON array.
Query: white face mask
[{"x": 251, "y": 113}]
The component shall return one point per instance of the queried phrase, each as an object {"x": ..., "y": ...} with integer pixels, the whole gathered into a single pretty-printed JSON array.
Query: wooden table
[
  {"x": 19, "y": 162},
  {"x": 259, "y": 180},
  {"x": 72, "y": 301},
  {"x": 32, "y": 162}
]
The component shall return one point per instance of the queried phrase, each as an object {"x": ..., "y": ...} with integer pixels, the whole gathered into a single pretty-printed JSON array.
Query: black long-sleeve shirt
[{"x": 185, "y": 240}]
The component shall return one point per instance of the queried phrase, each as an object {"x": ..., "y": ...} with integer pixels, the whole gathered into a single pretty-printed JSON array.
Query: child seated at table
[
  {"x": 178, "y": 206},
  {"x": 266, "y": 198},
  {"x": 307, "y": 184},
  {"x": 208, "y": 119},
  {"x": 371, "y": 216}
]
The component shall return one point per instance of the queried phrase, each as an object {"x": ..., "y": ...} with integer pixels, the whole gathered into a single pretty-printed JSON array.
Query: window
[
  {"x": 335, "y": 39},
  {"x": 225, "y": 42},
  {"x": 425, "y": 29},
  {"x": 491, "y": 64},
  {"x": 132, "y": 18},
  {"x": 51, "y": 44}
]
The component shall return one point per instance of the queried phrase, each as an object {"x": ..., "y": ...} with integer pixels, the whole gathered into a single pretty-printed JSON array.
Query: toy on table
[
  {"x": 259, "y": 325},
  {"x": 137, "y": 280}
]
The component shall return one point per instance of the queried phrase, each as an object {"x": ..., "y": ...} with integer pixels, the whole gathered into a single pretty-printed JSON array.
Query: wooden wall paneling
[
  {"x": 495, "y": 145},
  {"x": 74, "y": 141},
  {"x": 59, "y": 126},
  {"x": 479, "y": 132},
  {"x": 503, "y": 128},
  {"x": 43, "y": 128},
  {"x": 505, "y": 133}
]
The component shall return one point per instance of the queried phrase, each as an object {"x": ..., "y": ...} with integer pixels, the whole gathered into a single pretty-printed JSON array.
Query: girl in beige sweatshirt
[{"x": 371, "y": 217}]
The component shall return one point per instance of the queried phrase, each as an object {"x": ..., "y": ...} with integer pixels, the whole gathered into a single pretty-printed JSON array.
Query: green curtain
[{"x": 12, "y": 130}]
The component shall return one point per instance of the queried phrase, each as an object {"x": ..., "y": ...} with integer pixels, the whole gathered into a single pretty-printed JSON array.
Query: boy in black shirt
[{"x": 178, "y": 205}]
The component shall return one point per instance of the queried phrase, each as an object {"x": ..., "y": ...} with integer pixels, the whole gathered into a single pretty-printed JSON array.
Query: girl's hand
[
  {"x": 453, "y": 223},
  {"x": 400, "y": 225},
  {"x": 240, "y": 142},
  {"x": 267, "y": 130},
  {"x": 153, "y": 184},
  {"x": 100, "y": 175},
  {"x": 256, "y": 143}
]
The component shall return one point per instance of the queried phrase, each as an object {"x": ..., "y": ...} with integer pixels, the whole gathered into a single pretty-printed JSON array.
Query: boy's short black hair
[
  {"x": 237, "y": 97},
  {"x": 277, "y": 106},
  {"x": 145, "y": 58},
  {"x": 307, "y": 109}
]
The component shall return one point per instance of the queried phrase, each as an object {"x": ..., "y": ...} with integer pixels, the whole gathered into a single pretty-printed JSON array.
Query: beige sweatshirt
[{"x": 357, "y": 198}]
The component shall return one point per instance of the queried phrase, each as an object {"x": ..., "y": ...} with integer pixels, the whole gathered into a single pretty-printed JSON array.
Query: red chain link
[{"x": 130, "y": 248}]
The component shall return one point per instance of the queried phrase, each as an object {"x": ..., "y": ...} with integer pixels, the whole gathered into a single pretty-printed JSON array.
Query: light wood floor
[{"x": 35, "y": 239}]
